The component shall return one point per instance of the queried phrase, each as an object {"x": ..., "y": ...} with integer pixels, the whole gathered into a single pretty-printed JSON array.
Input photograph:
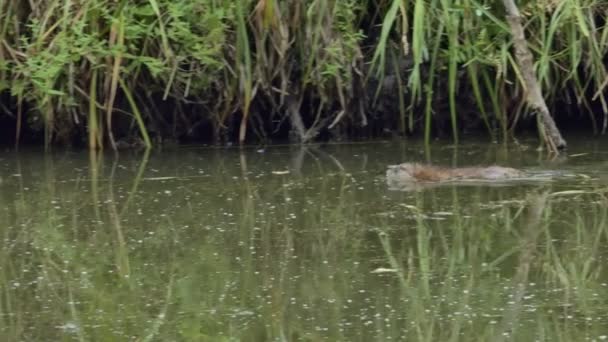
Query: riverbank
[{"x": 104, "y": 74}]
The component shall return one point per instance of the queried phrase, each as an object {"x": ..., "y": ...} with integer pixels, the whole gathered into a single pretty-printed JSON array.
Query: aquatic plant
[{"x": 224, "y": 71}]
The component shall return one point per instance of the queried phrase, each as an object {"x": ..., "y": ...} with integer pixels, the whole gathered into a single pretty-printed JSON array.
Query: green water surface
[{"x": 301, "y": 244}]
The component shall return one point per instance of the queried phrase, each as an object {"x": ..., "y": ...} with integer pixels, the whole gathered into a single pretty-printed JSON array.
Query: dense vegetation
[{"x": 209, "y": 70}]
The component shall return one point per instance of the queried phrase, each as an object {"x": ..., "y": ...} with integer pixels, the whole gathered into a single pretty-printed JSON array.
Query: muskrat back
[{"x": 414, "y": 172}]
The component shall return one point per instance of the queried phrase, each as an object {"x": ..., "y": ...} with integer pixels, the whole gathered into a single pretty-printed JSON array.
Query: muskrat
[{"x": 414, "y": 172}]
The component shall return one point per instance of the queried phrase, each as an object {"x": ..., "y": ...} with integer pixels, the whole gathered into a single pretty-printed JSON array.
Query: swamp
[{"x": 206, "y": 170}]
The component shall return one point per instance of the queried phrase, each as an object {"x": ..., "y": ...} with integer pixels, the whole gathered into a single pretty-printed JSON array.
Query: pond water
[{"x": 291, "y": 244}]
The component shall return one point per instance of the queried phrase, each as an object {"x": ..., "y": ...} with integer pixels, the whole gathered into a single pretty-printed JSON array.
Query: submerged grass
[{"x": 198, "y": 69}]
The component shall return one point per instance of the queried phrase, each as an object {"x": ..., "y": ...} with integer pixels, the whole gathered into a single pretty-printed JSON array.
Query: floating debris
[
  {"x": 384, "y": 270},
  {"x": 572, "y": 192},
  {"x": 159, "y": 178},
  {"x": 286, "y": 172},
  {"x": 70, "y": 327}
]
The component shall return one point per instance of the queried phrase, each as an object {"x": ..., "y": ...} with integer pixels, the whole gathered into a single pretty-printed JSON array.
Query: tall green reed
[{"x": 214, "y": 63}]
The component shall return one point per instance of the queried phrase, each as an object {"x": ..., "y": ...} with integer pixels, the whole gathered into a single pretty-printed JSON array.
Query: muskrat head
[{"x": 401, "y": 173}]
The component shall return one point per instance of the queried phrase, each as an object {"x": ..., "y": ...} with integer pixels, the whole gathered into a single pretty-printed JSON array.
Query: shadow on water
[{"x": 299, "y": 244}]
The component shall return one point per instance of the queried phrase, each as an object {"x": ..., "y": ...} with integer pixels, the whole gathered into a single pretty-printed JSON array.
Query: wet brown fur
[{"x": 413, "y": 172}]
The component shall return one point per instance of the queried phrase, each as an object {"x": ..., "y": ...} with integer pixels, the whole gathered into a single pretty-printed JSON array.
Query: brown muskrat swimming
[{"x": 414, "y": 172}]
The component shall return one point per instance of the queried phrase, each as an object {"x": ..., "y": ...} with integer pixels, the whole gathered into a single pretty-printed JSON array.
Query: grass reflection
[
  {"x": 216, "y": 247},
  {"x": 542, "y": 288}
]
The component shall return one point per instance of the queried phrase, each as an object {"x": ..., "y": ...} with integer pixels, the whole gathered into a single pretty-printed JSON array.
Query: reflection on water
[{"x": 299, "y": 244}]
